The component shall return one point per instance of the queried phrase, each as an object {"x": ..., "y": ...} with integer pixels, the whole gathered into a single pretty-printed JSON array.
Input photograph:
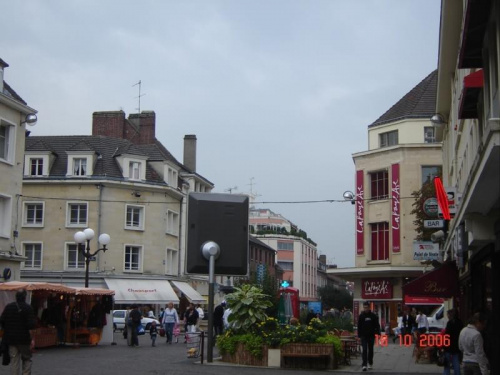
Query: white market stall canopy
[
  {"x": 191, "y": 294},
  {"x": 142, "y": 291}
]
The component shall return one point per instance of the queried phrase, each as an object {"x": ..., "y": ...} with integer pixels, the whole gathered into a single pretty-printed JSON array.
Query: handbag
[
  {"x": 441, "y": 359},
  {"x": 162, "y": 332},
  {"x": 140, "y": 330}
]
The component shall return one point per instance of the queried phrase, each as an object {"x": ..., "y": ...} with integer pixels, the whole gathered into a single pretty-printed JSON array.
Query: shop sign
[
  {"x": 376, "y": 289},
  {"x": 360, "y": 214},
  {"x": 453, "y": 201},
  {"x": 431, "y": 207},
  {"x": 426, "y": 250},
  {"x": 395, "y": 208},
  {"x": 433, "y": 224}
]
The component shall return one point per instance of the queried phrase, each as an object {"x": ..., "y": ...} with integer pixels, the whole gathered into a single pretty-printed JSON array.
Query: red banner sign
[
  {"x": 372, "y": 289},
  {"x": 360, "y": 214},
  {"x": 395, "y": 209}
]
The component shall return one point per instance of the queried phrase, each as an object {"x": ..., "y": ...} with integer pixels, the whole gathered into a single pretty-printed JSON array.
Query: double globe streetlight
[{"x": 86, "y": 236}]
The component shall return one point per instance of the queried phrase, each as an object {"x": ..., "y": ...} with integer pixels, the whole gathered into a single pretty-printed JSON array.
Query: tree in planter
[
  {"x": 248, "y": 306},
  {"x": 334, "y": 297}
]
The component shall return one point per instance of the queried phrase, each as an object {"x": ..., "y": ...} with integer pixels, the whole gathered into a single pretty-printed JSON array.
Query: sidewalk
[{"x": 394, "y": 359}]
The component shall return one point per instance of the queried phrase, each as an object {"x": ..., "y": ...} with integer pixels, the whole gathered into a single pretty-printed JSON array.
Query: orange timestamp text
[{"x": 424, "y": 340}]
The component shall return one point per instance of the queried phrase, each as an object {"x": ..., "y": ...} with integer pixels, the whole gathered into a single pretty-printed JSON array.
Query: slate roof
[
  {"x": 9, "y": 91},
  {"x": 420, "y": 102},
  {"x": 107, "y": 148}
]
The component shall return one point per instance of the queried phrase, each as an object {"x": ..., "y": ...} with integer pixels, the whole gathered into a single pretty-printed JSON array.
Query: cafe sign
[{"x": 372, "y": 289}]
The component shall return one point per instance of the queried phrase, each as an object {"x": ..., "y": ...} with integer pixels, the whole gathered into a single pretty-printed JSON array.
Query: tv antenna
[
  {"x": 230, "y": 190},
  {"x": 139, "y": 97}
]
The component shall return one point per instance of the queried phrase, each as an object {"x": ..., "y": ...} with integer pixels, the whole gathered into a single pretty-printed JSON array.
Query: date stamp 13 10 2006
[{"x": 424, "y": 340}]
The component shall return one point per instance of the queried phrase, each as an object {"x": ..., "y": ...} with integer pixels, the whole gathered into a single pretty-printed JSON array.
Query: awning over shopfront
[
  {"x": 142, "y": 291},
  {"x": 441, "y": 282},
  {"x": 412, "y": 300},
  {"x": 473, "y": 85},
  {"x": 188, "y": 291}
]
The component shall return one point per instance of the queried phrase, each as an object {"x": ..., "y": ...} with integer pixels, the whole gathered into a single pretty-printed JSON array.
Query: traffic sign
[{"x": 433, "y": 223}]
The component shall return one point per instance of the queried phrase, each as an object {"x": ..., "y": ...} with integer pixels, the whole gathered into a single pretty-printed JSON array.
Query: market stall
[{"x": 64, "y": 315}]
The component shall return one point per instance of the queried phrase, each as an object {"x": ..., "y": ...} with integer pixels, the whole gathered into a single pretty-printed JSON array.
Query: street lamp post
[{"x": 86, "y": 236}]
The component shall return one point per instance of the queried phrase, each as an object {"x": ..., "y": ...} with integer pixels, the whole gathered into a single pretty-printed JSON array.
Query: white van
[{"x": 437, "y": 319}]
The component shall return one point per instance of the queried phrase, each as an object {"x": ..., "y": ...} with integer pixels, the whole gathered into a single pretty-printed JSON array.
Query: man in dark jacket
[
  {"x": 451, "y": 352},
  {"x": 17, "y": 321},
  {"x": 135, "y": 318},
  {"x": 218, "y": 321},
  {"x": 368, "y": 327}
]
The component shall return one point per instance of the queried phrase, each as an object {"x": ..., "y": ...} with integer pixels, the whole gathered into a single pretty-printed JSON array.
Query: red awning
[
  {"x": 477, "y": 13},
  {"x": 412, "y": 300},
  {"x": 441, "y": 282},
  {"x": 473, "y": 84}
]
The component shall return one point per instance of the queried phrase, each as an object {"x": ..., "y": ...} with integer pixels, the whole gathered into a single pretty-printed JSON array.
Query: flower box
[
  {"x": 308, "y": 356},
  {"x": 244, "y": 357}
]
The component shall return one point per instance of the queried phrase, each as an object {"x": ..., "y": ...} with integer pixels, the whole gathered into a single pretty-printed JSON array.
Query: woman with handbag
[{"x": 170, "y": 318}]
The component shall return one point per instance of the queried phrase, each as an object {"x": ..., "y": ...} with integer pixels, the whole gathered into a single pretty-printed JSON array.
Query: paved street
[{"x": 109, "y": 359}]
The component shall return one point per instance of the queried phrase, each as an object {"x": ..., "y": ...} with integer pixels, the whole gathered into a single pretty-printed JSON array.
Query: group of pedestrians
[{"x": 465, "y": 343}]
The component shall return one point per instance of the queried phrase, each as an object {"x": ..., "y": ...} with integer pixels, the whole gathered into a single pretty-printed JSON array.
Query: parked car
[{"x": 119, "y": 320}]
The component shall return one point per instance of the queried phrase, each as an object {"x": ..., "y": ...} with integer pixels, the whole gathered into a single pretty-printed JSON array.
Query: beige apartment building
[
  {"x": 468, "y": 116},
  {"x": 120, "y": 181},
  {"x": 15, "y": 114},
  {"x": 402, "y": 155}
]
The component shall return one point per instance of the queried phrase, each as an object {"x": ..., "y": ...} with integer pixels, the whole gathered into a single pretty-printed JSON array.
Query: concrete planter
[{"x": 273, "y": 357}]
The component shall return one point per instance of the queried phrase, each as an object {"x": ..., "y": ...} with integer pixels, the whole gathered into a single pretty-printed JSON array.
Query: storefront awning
[
  {"x": 441, "y": 282},
  {"x": 188, "y": 291},
  {"x": 142, "y": 291},
  {"x": 473, "y": 85},
  {"x": 412, "y": 300},
  {"x": 477, "y": 13}
]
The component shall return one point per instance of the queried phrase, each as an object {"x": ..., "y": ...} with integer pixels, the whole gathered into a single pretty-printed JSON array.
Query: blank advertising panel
[{"x": 223, "y": 219}]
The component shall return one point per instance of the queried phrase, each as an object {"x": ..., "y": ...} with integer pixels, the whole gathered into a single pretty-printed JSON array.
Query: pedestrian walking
[
  {"x": 17, "y": 321},
  {"x": 470, "y": 342},
  {"x": 451, "y": 352},
  {"x": 170, "y": 318},
  {"x": 407, "y": 323},
  {"x": 134, "y": 320},
  {"x": 153, "y": 332},
  {"x": 368, "y": 327},
  {"x": 218, "y": 321},
  {"x": 191, "y": 318},
  {"x": 422, "y": 322},
  {"x": 201, "y": 315}
]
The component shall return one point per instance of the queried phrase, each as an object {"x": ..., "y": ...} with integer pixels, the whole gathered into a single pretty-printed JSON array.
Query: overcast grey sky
[{"x": 278, "y": 91}]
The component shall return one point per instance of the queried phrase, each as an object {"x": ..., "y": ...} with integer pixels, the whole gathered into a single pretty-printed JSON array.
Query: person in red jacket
[{"x": 368, "y": 327}]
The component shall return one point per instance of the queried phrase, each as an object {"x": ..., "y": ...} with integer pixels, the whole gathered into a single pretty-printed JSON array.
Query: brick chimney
[
  {"x": 109, "y": 123},
  {"x": 190, "y": 152},
  {"x": 145, "y": 123}
]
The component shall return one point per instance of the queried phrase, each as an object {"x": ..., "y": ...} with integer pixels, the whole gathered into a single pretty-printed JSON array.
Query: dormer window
[
  {"x": 134, "y": 170},
  {"x": 172, "y": 177},
  {"x": 36, "y": 165},
  {"x": 80, "y": 164}
]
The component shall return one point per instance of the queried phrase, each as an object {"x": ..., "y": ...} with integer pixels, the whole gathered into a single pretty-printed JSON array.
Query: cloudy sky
[{"x": 278, "y": 93}]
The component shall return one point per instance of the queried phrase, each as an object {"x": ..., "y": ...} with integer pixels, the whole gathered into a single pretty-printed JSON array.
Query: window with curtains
[
  {"x": 379, "y": 183},
  {"x": 79, "y": 167},
  {"x": 132, "y": 258},
  {"x": 380, "y": 241}
]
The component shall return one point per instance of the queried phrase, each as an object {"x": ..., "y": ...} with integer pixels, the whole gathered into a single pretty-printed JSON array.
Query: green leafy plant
[
  {"x": 248, "y": 305},
  {"x": 334, "y": 340},
  {"x": 228, "y": 343}
]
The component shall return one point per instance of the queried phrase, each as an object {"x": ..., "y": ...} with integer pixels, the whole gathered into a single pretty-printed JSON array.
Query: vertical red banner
[
  {"x": 355, "y": 312},
  {"x": 396, "y": 209},
  {"x": 360, "y": 214}
]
